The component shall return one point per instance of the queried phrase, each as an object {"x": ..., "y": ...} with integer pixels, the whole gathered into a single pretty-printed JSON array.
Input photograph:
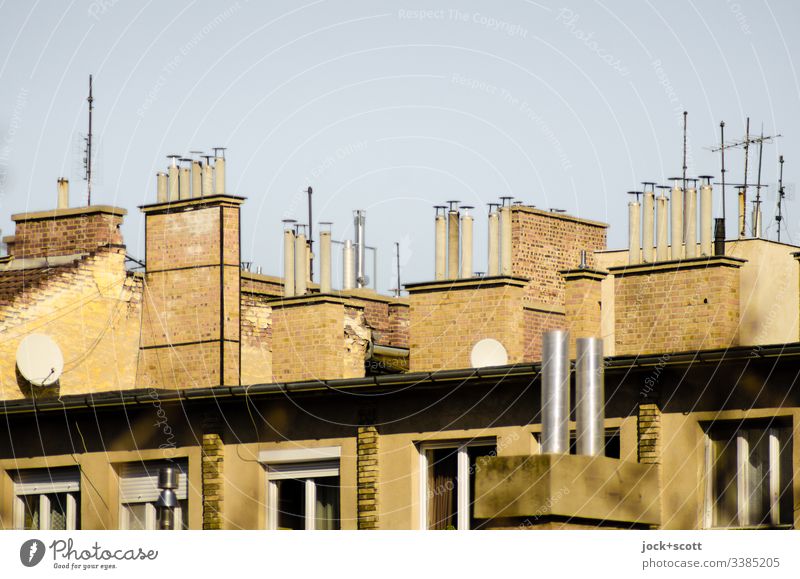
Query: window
[
  {"x": 447, "y": 482},
  {"x": 47, "y": 499},
  {"x": 303, "y": 488},
  {"x": 138, "y": 493},
  {"x": 749, "y": 476}
]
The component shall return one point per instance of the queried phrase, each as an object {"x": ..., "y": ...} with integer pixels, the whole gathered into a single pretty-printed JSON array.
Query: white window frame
[
  {"x": 43, "y": 482},
  {"x": 307, "y": 464},
  {"x": 462, "y": 476},
  {"x": 151, "y": 512},
  {"x": 742, "y": 480}
]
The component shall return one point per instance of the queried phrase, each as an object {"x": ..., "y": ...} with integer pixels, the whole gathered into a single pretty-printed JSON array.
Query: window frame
[
  {"x": 306, "y": 464},
  {"x": 462, "y": 477},
  {"x": 68, "y": 483},
  {"x": 739, "y": 435}
]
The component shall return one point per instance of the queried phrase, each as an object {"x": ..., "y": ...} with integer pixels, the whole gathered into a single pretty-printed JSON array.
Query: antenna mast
[
  {"x": 781, "y": 194},
  {"x": 397, "y": 252},
  {"x": 310, "y": 237},
  {"x": 722, "y": 151},
  {"x": 756, "y": 225},
  {"x": 88, "y": 177},
  {"x": 685, "y": 114}
]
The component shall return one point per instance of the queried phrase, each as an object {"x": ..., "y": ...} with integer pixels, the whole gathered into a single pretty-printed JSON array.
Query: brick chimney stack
[{"x": 190, "y": 322}]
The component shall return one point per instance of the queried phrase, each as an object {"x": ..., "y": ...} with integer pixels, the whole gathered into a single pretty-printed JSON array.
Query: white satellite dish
[
  {"x": 488, "y": 352},
  {"x": 39, "y": 360}
]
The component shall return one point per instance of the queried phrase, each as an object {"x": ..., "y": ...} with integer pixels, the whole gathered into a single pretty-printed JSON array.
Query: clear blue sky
[{"x": 392, "y": 106}]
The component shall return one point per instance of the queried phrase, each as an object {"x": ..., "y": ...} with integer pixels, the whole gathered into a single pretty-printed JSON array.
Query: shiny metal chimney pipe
[
  {"x": 288, "y": 258},
  {"x": 300, "y": 264},
  {"x": 505, "y": 240},
  {"x": 348, "y": 266},
  {"x": 676, "y": 222},
  {"x": 466, "y": 242},
  {"x": 161, "y": 188},
  {"x": 63, "y": 193},
  {"x": 325, "y": 258},
  {"x": 589, "y": 397},
  {"x": 453, "y": 239},
  {"x": 359, "y": 218},
  {"x": 494, "y": 241},
  {"x": 440, "y": 244},
  {"x": 690, "y": 220},
  {"x": 555, "y": 392}
]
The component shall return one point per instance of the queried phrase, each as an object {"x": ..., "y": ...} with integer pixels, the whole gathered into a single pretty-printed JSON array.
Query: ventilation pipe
[
  {"x": 300, "y": 262},
  {"x": 505, "y": 238},
  {"x": 756, "y": 220},
  {"x": 325, "y": 257},
  {"x": 706, "y": 198},
  {"x": 742, "y": 210},
  {"x": 288, "y": 258},
  {"x": 452, "y": 240},
  {"x": 690, "y": 219},
  {"x": 440, "y": 264},
  {"x": 719, "y": 236},
  {"x": 208, "y": 176},
  {"x": 161, "y": 187},
  {"x": 466, "y": 242},
  {"x": 173, "y": 178},
  {"x": 197, "y": 179},
  {"x": 589, "y": 397},
  {"x": 63, "y": 193},
  {"x": 676, "y": 222},
  {"x": 219, "y": 171},
  {"x": 555, "y": 392},
  {"x": 662, "y": 219},
  {"x": 359, "y": 217},
  {"x": 648, "y": 222},
  {"x": 494, "y": 240},
  {"x": 634, "y": 252},
  {"x": 185, "y": 182},
  {"x": 348, "y": 266}
]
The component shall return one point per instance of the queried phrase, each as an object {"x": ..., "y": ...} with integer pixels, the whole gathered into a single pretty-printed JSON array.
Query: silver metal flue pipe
[
  {"x": 589, "y": 396},
  {"x": 555, "y": 392},
  {"x": 359, "y": 219}
]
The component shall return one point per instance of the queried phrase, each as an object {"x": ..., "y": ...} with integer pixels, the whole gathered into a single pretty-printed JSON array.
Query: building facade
[{"x": 346, "y": 409}]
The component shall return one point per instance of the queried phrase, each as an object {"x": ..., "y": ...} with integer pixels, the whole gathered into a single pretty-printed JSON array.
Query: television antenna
[
  {"x": 87, "y": 159},
  {"x": 781, "y": 196}
]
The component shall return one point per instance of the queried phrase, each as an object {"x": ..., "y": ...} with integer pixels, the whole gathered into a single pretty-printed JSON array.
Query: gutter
[{"x": 390, "y": 382}]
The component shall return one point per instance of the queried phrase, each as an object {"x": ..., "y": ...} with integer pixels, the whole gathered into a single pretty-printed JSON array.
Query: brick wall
[
  {"x": 537, "y": 322},
  {"x": 66, "y": 231},
  {"x": 213, "y": 480},
  {"x": 582, "y": 304},
  {"x": 546, "y": 243},
  {"x": 448, "y": 318},
  {"x": 191, "y": 319},
  {"x": 677, "y": 306},
  {"x": 387, "y": 317},
  {"x": 317, "y": 337},
  {"x": 91, "y": 308},
  {"x": 367, "y": 476},
  {"x": 256, "y": 338},
  {"x": 649, "y": 433}
]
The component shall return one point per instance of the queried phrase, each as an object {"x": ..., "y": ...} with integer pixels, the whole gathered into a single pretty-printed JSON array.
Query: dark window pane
[
  {"x": 291, "y": 504},
  {"x": 327, "y": 507},
  {"x": 477, "y": 454},
  {"x": 442, "y": 488},
  {"x": 725, "y": 510},
  {"x": 58, "y": 511},
  {"x": 31, "y": 512},
  {"x": 786, "y": 500}
]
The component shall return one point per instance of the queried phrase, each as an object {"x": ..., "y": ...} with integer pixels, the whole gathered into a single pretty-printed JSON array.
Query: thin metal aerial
[
  {"x": 309, "y": 191},
  {"x": 781, "y": 195},
  {"x": 685, "y": 115},
  {"x": 88, "y": 159},
  {"x": 397, "y": 253}
]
